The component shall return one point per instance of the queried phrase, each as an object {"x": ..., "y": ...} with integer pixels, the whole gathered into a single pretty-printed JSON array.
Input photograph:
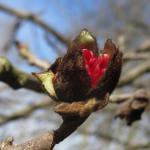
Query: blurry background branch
[
  {"x": 16, "y": 78},
  {"x": 137, "y": 71},
  {"x": 31, "y": 58},
  {"x": 36, "y": 20}
]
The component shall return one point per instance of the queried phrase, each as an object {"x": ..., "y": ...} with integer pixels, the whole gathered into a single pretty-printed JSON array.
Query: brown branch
[
  {"x": 71, "y": 121},
  {"x": 36, "y": 20},
  {"x": 42, "y": 142},
  {"x": 30, "y": 57},
  {"x": 16, "y": 78},
  {"x": 135, "y": 73}
]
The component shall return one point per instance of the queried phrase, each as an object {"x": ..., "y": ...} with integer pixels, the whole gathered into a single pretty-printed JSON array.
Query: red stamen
[{"x": 95, "y": 66}]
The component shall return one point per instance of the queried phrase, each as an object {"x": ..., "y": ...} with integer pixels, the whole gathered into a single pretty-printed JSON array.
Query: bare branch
[
  {"x": 145, "y": 46},
  {"x": 119, "y": 98},
  {"x": 36, "y": 20},
  {"x": 132, "y": 109},
  {"x": 16, "y": 78},
  {"x": 42, "y": 142},
  {"x": 70, "y": 123},
  {"x": 31, "y": 58},
  {"x": 136, "y": 56},
  {"x": 135, "y": 73}
]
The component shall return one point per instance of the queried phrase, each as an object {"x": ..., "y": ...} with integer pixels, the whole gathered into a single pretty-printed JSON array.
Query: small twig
[
  {"x": 119, "y": 98},
  {"x": 144, "y": 47},
  {"x": 132, "y": 109},
  {"x": 135, "y": 73},
  {"x": 136, "y": 56},
  {"x": 36, "y": 20},
  {"x": 31, "y": 58}
]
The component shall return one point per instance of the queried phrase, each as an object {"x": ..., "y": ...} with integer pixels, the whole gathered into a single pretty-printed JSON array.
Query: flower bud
[{"x": 83, "y": 72}]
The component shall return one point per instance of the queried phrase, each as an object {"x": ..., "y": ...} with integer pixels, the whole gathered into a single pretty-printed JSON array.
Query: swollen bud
[{"x": 83, "y": 73}]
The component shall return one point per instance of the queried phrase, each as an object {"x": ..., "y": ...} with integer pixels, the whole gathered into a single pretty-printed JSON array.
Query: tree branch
[
  {"x": 136, "y": 56},
  {"x": 16, "y": 78},
  {"x": 36, "y": 20},
  {"x": 135, "y": 73},
  {"x": 71, "y": 121},
  {"x": 119, "y": 98},
  {"x": 42, "y": 142},
  {"x": 30, "y": 57}
]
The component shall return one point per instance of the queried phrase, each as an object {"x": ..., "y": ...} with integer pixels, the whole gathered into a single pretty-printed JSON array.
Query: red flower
[{"x": 95, "y": 65}]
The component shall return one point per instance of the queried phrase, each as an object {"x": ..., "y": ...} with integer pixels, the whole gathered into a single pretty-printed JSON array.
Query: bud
[{"x": 83, "y": 72}]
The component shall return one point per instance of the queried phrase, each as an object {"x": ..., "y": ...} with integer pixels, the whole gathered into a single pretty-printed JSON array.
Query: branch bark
[
  {"x": 71, "y": 121},
  {"x": 42, "y": 142},
  {"x": 16, "y": 78}
]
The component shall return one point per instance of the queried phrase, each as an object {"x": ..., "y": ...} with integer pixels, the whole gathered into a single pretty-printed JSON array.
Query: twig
[
  {"x": 31, "y": 58},
  {"x": 141, "y": 25},
  {"x": 71, "y": 121},
  {"x": 36, "y": 20},
  {"x": 16, "y": 78},
  {"x": 145, "y": 46},
  {"x": 136, "y": 56},
  {"x": 119, "y": 98},
  {"x": 135, "y": 73}
]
